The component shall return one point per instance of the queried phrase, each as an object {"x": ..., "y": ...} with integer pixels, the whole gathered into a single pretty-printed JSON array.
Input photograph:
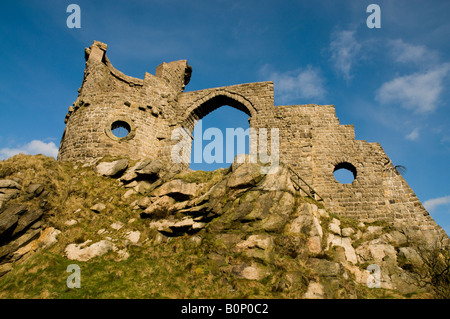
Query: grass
[{"x": 168, "y": 271}]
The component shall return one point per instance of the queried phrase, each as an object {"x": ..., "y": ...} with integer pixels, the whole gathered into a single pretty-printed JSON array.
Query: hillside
[{"x": 147, "y": 229}]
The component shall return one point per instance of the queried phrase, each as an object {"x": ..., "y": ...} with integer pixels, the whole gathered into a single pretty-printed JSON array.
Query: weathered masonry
[{"x": 119, "y": 115}]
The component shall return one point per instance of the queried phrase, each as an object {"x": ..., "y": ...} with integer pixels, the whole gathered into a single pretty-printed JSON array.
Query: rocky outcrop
[
  {"x": 248, "y": 228},
  {"x": 248, "y": 213},
  {"x": 20, "y": 226}
]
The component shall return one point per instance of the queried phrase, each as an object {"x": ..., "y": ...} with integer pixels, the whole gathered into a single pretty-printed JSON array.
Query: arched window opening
[
  {"x": 120, "y": 129},
  {"x": 345, "y": 173},
  {"x": 218, "y": 138}
]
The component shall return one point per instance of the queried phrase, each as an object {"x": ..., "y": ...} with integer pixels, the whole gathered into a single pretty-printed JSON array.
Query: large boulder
[
  {"x": 151, "y": 168},
  {"x": 112, "y": 168},
  {"x": 178, "y": 189},
  {"x": 243, "y": 176},
  {"x": 131, "y": 174}
]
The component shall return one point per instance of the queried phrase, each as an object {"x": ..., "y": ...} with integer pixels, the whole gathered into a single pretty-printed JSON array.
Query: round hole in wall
[
  {"x": 344, "y": 173},
  {"x": 120, "y": 129}
]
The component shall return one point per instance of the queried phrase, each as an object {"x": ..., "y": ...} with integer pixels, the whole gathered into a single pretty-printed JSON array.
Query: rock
[
  {"x": 334, "y": 226},
  {"x": 279, "y": 181},
  {"x": 130, "y": 173},
  {"x": 372, "y": 232},
  {"x": 273, "y": 222},
  {"x": 227, "y": 240},
  {"x": 339, "y": 255},
  {"x": 116, "y": 225},
  {"x": 348, "y": 231},
  {"x": 82, "y": 253},
  {"x": 177, "y": 227},
  {"x": 5, "y": 268},
  {"x": 151, "y": 168},
  {"x": 253, "y": 271},
  {"x": 7, "y": 183},
  {"x": 196, "y": 241},
  {"x": 26, "y": 219},
  {"x": 143, "y": 203},
  {"x": 112, "y": 169},
  {"x": 35, "y": 189},
  {"x": 314, "y": 244},
  {"x": 184, "y": 223},
  {"x": 411, "y": 256},
  {"x": 70, "y": 222},
  {"x": 323, "y": 213},
  {"x": 8, "y": 193},
  {"x": 132, "y": 184},
  {"x": 244, "y": 176},
  {"x": 257, "y": 246},
  {"x": 47, "y": 237},
  {"x": 129, "y": 193},
  {"x": 315, "y": 291},
  {"x": 306, "y": 223},
  {"x": 159, "y": 207},
  {"x": 143, "y": 187},
  {"x": 258, "y": 241},
  {"x": 17, "y": 243},
  {"x": 98, "y": 208},
  {"x": 16, "y": 218},
  {"x": 198, "y": 225},
  {"x": 178, "y": 189},
  {"x": 133, "y": 236},
  {"x": 239, "y": 160},
  {"x": 9, "y": 218},
  {"x": 325, "y": 268},
  {"x": 29, "y": 242},
  {"x": 122, "y": 254},
  {"x": 346, "y": 243},
  {"x": 395, "y": 238},
  {"x": 375, "y": 251}
]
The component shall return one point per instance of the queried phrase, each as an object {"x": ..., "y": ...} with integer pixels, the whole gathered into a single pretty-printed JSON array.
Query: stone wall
[{"x": 311, "y": 139}]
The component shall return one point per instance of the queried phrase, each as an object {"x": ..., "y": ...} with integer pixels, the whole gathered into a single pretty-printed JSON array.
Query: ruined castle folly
[{"x": 311, "y": 139}]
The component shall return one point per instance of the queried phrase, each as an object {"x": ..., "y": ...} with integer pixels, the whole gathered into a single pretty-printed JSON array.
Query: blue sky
[{"x": 391, "y": 83}]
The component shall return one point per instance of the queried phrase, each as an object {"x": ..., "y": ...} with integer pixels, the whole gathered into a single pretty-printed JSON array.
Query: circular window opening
[
  {"x": 344, "y": 173},
  {"x": 120, "y": 129}
]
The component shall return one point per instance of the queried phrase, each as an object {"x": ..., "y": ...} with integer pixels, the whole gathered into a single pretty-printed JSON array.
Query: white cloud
[
  {"x": 301, "y": 83},
  {"x": 414, "y": 135},
  {"x": 408, "y": 53},
  {"x": 32, "y": 148},
  {"x": 431, "y": 204},
  {"x": 418, "y": 92},
  {"x": 344, "y": 52}
]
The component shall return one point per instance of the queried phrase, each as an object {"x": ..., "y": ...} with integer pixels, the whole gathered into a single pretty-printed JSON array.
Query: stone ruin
[{"x": 312, "y": 142}]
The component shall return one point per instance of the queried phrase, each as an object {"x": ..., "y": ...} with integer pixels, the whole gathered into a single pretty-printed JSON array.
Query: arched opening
[
  {"x": 218, "y": 137},
  {"x": 344, "y": 173}
]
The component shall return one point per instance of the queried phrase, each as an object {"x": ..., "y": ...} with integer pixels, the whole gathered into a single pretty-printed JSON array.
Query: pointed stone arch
[{"x": 212, "y": 101}]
